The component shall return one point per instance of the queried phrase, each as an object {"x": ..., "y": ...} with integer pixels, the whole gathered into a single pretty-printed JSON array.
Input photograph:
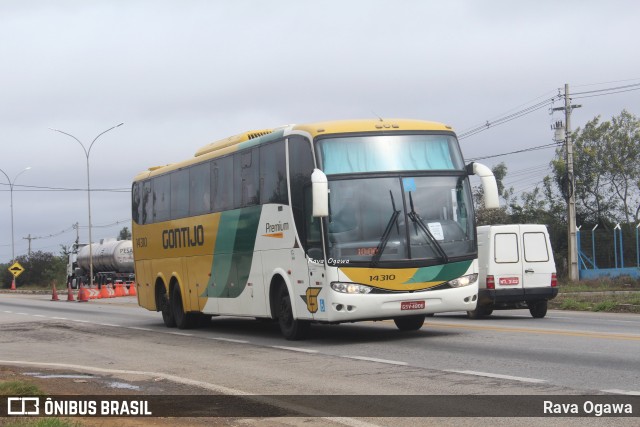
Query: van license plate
[
  {"x": 412, "y": 305},
  {"x": 509, "y": 281}
]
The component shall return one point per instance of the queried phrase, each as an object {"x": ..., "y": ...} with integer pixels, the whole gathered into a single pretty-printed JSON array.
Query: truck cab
[{"x": 516, "y": 269}]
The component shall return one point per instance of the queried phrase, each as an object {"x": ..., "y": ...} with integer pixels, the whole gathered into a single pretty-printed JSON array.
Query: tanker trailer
[{"x": 112, "y": 262}]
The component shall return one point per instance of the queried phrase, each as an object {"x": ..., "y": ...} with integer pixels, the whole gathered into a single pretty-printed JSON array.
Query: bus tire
[
  {"x": 538, "y": 309},
  {"x": 409, "y": 323},
  {"x": 183, "y": 320},
  {"x": 165, "y": 308},
  {"x": 292, "y": 329}
]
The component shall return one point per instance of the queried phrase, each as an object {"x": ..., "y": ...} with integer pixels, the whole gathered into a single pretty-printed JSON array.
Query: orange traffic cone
[
  {"x": 104, "y": 292},
  {"x": 132, "y": 290},
  {"x": 119, "y": 291},
  {"x": 70, "y": 293},
  {"x": 13, "y": 284},
  {"x": 54, "y": 294},
  {"x": 82, "y": 295}
]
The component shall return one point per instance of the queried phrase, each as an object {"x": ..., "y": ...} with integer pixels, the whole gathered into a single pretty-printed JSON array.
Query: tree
[
  {"x": 125, "y": 234},
  {"x": 606, "y": 170},
  {"x": 40, "y": 269},
  {"x": 493, "y": 216}
]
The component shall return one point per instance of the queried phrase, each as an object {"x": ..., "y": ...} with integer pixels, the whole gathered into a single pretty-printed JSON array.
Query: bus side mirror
[
  {"x": 489, "y": 186},
  {"x": 319, "y": 193}
]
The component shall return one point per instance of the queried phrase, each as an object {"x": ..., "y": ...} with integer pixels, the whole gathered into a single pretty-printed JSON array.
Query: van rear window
[
  {"x": 535, "y": 247},
  {"x": 506, "y": 248}
]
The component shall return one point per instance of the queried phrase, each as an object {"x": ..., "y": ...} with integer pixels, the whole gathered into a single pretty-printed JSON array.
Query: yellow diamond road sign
[{"x": 16, "y": 269}]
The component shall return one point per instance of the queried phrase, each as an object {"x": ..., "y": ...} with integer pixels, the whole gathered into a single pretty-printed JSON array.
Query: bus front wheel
[
  {"x": 292, "y": 328},
  {"x": 409, "y": 323}
]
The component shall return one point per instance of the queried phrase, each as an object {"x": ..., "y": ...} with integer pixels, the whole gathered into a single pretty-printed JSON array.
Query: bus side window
[
  {"x": 147, "y": 203},
  {"x": 300, "y": 168},
  {"x": 135, "y": 202},
  {"x": 161, "y": 198},
  {"x": 312, "y": 228},
  {"x": 250, "y": 175},
  {"x": 222, "y": 184},
  {"x": 199, "y": 189},
  {"x": 273, "y": 173},
  {"x": 180, "y": 194}
]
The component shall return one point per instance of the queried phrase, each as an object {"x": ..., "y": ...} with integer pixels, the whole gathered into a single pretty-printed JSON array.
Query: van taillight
[
  {"x": 554, "y": 280},
  {"x": 491, "y": 282}
]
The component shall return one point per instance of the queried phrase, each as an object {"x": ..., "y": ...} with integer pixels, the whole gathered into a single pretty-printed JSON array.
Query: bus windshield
[
  {"x": 386, "y": 219},
  {"x": 384, "y": 153}
]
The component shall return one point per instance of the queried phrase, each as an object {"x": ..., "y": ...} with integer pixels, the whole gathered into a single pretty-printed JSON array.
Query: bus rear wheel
[
  {"x": 183, "y": 320},
  {"x": 409, "y": 323},
  {"x": 292, "y": 328},
  {"x": 165, "y": 309}
]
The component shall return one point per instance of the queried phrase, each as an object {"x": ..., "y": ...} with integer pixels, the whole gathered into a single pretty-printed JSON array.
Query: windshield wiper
[
  {"x": 387, "y": 232},
  {"x": 413, "y": 216}
]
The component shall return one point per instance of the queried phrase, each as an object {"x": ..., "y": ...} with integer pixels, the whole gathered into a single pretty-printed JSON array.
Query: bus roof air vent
[{"x": 232, "y": 140}]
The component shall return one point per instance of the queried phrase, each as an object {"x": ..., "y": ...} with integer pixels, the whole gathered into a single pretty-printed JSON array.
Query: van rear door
[
  {"x": 536, "y": 260},
  {"x": 507, "y": 266}
]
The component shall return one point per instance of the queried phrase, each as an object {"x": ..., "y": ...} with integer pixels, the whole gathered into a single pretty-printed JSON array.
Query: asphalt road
[{"x": 509, "y": 353}]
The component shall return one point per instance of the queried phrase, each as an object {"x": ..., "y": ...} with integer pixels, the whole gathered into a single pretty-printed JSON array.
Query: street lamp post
[
  {"x": 87, "y": 152},
  {"x": 13, "y": 246}
]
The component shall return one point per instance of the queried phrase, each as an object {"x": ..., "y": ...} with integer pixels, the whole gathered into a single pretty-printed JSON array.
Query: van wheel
[
  {"x": 183, "y": 320},
  {"x": 293, "y": 329},
  {"x": 538, "y": 309},
  {"x": 479, "y": 312},
  {"x": 409, "y": 323}
]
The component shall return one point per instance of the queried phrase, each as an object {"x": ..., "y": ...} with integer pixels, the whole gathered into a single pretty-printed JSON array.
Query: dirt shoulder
[{"x": 69, "y": 382}]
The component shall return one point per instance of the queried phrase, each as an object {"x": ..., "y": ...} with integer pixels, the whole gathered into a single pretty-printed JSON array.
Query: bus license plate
[{"x": 412, "y": 305}]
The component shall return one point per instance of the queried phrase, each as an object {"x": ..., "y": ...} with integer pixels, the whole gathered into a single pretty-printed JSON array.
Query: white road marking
[
  {"x": 183, "y": 334},
  {"x": 616, "y": 391},
  {"x": 229, "y": 340},
  {"x": 187, "y": 381},
  {"x": 373, "y": 359},
  {"x": 301, "y": 350},
  {"x": 138, "y": 328},
  {"x": 503, "y": 377}
]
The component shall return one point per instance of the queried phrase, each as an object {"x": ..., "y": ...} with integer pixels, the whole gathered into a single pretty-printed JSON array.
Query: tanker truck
[{"x": 112, "y": 262}]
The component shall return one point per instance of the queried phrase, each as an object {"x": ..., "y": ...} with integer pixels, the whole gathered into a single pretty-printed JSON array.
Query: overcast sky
[{"x": 181, "y": 74}]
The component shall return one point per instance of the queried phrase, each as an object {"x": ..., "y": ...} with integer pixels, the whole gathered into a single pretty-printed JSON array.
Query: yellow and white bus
[{"x": 328, "y": 222}]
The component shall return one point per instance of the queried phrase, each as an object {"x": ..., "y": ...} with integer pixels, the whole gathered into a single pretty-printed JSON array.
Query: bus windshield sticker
[
  {"x": 409, "y": 184},
  {"x": 436, "y": 229}
]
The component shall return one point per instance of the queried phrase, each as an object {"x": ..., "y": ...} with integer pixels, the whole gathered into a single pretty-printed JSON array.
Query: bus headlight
[
  {"x": 463, "y": 281},
  {"x": 350, "y": 288}
]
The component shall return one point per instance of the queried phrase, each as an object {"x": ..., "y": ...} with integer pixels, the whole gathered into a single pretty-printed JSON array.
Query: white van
[{"x": 516, "y": 269}]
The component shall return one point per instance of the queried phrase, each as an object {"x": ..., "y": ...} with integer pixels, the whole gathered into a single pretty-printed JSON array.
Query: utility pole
[
  {"x": 572, "y": 260},
  {"x": 29, "y": 238}
]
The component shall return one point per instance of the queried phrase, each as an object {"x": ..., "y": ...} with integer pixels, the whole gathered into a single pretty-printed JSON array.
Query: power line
[
  {"x": 603, "y": 94},
  {"x": 528, "y": 110},
  {"x": 507, "y": 118},
  {"x": 28, "y": 188},
  {"x": 524, "y": 150},
  {"x": 635, "y": 85}
]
